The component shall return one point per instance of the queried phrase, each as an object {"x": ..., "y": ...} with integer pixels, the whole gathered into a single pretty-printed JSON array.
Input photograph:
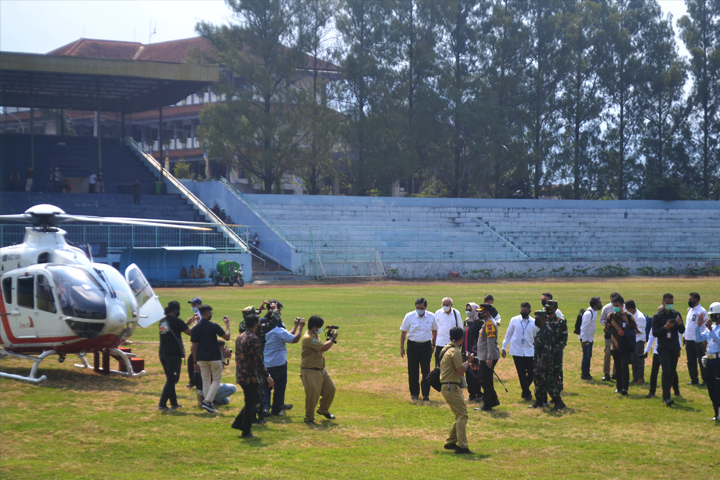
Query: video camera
[{"x": 330, "y": 333}]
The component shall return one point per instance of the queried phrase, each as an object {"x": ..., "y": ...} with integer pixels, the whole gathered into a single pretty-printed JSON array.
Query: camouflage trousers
[
  {"x": 545, "y": 383},
  {"x": 558, "y": 369}
]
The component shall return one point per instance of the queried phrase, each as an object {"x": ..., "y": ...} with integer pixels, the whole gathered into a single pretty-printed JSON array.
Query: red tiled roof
[
  {"x": 174, "y": 51},
  {"x": 89, "y": 48}
]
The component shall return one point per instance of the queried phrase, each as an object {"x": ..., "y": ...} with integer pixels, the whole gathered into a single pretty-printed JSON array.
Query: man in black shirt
[
  {"x": 171, "y": 353},
  {"x": 207, "y": 354},
  {"x": 666, "y": 326}
]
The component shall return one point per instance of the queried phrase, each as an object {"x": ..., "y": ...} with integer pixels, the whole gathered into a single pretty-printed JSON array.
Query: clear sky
[{"x": 39, "y": 26}]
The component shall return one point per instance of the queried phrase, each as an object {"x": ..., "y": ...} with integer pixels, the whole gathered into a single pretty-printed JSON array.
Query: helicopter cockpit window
[
  {"x": 7, "y": 290},
  {"x": 25, "y": 297},
  {"x": 79, "y": 294},
  {"x": 140, "y": 287},
  {"x": 44, "y": 295}
]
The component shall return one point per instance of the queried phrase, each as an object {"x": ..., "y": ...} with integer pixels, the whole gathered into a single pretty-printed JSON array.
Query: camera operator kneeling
[
  {"x": 316, "y": 380},
  {"x": 452, "y": 371}
]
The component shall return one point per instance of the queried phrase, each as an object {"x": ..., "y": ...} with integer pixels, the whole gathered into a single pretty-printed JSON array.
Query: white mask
[{"x": 446, "y": 309}]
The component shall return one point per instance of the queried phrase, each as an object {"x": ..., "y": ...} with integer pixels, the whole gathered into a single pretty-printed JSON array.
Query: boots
[{"x": 559, "y": 404}]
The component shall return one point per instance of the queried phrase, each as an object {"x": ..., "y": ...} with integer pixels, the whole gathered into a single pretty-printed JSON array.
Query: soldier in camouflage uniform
[
  {"x": 559, "y": 327},
  {"x": 544, "y": 377}
]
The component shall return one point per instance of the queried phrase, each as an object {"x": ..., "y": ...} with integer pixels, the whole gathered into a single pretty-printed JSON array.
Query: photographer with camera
[
  {"x": 249, "y": 370},
  {"x": 275, "y": 359},
  {"x": 315, "y": 378},
  {"x": 207, "y": 354},
  {"x": 452, "y": 369},
  {"x": 225, "y": 390},
  {"x": 667, "y": 325}
]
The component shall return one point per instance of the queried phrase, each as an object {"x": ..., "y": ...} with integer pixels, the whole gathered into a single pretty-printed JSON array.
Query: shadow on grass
[
  {"x": 77, "y": 379},
  {"x": 495, "y": 413},
  {"x": 468, "y": 457}
]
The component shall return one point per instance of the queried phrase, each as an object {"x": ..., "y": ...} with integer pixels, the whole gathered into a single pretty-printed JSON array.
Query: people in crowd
[
  {"x": 207, "y": 355},
  {"x": 29, "y": 178},
  {"x": 667, "y": 327},
  {"x": 607, "y": 310},
  {"x": 446, "y": 317},
  {"x": 696, "y": 316},
  {"x": 587, "y": 336},
  {"x": 472, "y": 327},
  {"x": 488, "y": 354},
  {"x": 520, "y": 335},
  {"x": 636, "y": 359},
  {"x": 315, "y": 378},
  {"x": 489, "y": 300},
  {"x": 171, "y": 352},
  {"x": 195, "y": 304},
  {"x": 655, "y": 368},
  {"x": 225, "y": 390},
  {"x": 183, "y": 272},
  {"x": 100, "y": 182},
  {"x": 136, "y": 192},
  {"x": 546, "y": 297},
  {"x": 543, "y": 375},
  {"x": 14, "y": 180},
  {"x": 419, "y": 327},
  {"x": 711, "y": 334},
  {"x": 275, "y": 359},
  {"x": 192, "y": 273},
  {"x": 558, "y": 325},
  {"x": 200, "y": 272},
  {"x": 621, "y": 326},
  {"x": 452, "y": 369},
  {"x": 92, "y": 181}
]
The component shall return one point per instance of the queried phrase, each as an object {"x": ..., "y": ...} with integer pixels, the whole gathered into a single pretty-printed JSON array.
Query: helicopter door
[
  {"x": 151, "y": 310},
  {"x": 51, "y": 318},
  {"x": 23, "y": 316}
]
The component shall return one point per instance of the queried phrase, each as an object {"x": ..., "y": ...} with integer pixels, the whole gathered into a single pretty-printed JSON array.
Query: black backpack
[
  {"x": 578, "y": 322},
  {"x": 433, "y": 377}
]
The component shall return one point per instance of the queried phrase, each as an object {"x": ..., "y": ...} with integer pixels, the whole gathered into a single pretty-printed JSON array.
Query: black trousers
[
  {"x": 490, "y": 397},
  {"x": 654, "y": 376},
  {"x": 279, "y": 375},
  {"x": 668, "y": 362},
  {"x": 473, "y": 381},
  {"x": 438, "y": 351},
  {"x": 525, "y": 367},
  {"x": 713, "y": 383},
  {"x": 246, "y": 416},
  {"x": 191, "y": 369},
  {"x": 622, "y": 376},
  {"x": 695, "y": 351},
  {"x": 172, "y": 367},
  {"x": 419, "y": 356}
]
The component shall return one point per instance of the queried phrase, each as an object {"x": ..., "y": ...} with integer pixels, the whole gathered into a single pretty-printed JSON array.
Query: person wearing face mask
[
  {"x": 666, "y": 327},
  {"x": 452, "y": 369},
  {"x": 207, "y": 353},
  {"x": 194, "y": 305},
  {"x": 620, "y": 325},
  {"x": 545, "y": 298},
  {"x": 696, "y": 316},
  {"x": 543, "y": 376},
  {"x": 489, "y": 300},
  {"x": 171, "y": 353},
  {"x": 472, "y": 327},
  {"x": 488, "y": 354},
  {"x": 447, "y": 317},
  {"x": 607, "y": 310},
  {"x": 637, "y": 360},
  {"x": 520, "y": 336},
  {"x": 559, "y": 326},
  {"x": 419, "y": 327},
  {"x": 587, "y": 336},
  {"x": 711, "y": 334},
  {"x": 315, "y": 378}
]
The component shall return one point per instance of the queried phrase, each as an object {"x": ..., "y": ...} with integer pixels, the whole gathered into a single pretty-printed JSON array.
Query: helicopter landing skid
[
  {"x": 116, "y": 353},
  {"x": 32, "y": 378}
]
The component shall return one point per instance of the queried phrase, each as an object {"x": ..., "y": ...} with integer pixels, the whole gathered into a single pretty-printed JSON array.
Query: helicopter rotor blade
[
  {"x": 156, "y": 220},
  {"x": 21, "y": 217},
  {"x": 126, "y": 221}
]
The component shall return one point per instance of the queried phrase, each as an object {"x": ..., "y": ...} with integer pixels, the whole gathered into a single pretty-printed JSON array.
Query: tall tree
[
  {"x": 580, "y": 99},
  {"x": 258, "y": 127},
  {"x": 700, "y": 31}
]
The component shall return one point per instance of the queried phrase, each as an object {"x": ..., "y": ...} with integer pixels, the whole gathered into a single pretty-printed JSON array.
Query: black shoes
[
  {"x": 450, "y": 446},
  {"x": 162, "y": 408},
  {"x": 248, "y": 435},
  {"x": 586, "y": 377},
  {"x": 612, "y": 377},
  {"x": 606, "y": 378},
  {"x": 650, "y": 395},
  {"x": 559, "y": 404},
  {"x": 537, "y": 404},
  {"x": 260, "y": 421},
  {"x": 327, "y": 415},
  {"x": 426, "y": 399},
  {"x": 281, "y": 413},
  {"x": 462, "y": 451},
  {"x": 287, "y": 406},
  {"x": 528, "y": 398},
  {"x": 414, "y": 397},
  {"x": 236, "y": 426},
  {"x": 621, "y": 392},
  {"x": 208, "y": 407},
  {"x": 310, "y": 422},
  {"x": 669, "y": 402}
]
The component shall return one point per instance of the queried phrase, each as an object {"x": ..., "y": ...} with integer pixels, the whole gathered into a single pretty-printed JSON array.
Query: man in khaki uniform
[
  {"x": 315, "y": 378},
  {"x": 452, "y": 371}
]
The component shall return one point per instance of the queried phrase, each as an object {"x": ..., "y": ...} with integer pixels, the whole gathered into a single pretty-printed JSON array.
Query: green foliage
[
  {"x": 612, "y": 271},
  {"x": 182, "y": 169}
]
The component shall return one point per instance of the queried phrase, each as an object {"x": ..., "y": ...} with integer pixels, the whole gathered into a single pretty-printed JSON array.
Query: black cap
[{"x": 195, "y": 300}]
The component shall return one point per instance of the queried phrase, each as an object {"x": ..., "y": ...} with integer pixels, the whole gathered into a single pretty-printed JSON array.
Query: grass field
[{"x": 83, "y": 426}]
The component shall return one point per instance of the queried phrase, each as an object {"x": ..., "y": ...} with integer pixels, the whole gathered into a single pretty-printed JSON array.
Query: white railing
[{"x": 154, "y": 164}]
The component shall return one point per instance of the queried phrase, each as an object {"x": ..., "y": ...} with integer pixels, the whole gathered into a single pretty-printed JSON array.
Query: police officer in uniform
[
  {"x": 667, "y": 325},
  {"x": 315, "y": 378},
  {"x": 712, "y": 365},
  {"x": 488, "y": 354},
  {"x": 452, "y": 369},
  {"x": 543, "y": 375},
  {"x": 558, "y": 325}
]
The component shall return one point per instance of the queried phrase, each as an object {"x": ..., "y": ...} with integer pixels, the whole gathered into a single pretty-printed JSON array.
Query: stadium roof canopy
[{"x": 110, "y": 85}]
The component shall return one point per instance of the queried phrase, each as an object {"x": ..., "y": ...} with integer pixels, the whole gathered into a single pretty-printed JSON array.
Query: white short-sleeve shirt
[
  {"x": 419, "y": 328},
  {"x": 446, "y": 321}
]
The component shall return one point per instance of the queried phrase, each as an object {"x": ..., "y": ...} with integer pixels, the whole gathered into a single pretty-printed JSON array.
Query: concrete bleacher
[{"x": 76, "y": 157}]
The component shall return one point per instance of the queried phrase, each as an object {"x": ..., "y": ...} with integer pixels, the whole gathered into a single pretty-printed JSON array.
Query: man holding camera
[
  {"x": 249, "y": 369},
  {"x": 420, "y": 328},
  {"x": 225, "y": 390},
  {"x": 667, "y": 325},
  {"x": 275, "y": 358},
  {"x": 315, "y": 378},
  {"x": 452, "y": 371},
  {"x": 207, "y": 354}
]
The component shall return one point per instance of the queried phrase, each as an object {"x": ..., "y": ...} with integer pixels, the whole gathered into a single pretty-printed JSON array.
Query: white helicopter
[{"x": 56, "y": 301}]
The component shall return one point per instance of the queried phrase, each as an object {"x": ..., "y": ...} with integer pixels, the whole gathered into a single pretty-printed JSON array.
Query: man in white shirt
[
  {"x": 520, "y": 336},
  {"x": 447, "y": 317},
  {"x": 638, "y": 362},
  {"x": 587, "y": 336},
  {"x": 419, "y": 327},
  {"x": 489, "y": 300},
  {"x": 607, "y": 310},
  {"x": 695, "y": 350},
  {"x": 92, "y": 181},
  {"x": 544, "y": 299}
]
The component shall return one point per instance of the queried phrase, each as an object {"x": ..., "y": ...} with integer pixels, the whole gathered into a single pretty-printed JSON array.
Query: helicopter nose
[{"x": 117, "y": 320}]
